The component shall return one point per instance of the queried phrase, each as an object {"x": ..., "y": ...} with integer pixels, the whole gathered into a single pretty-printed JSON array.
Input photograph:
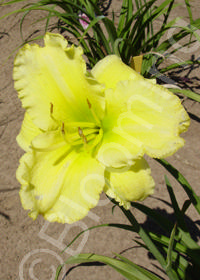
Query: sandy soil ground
[{"x": 31, "y": 249}]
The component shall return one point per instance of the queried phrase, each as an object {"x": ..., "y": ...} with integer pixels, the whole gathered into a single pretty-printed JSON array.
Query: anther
[
  {"x": 85, "y": 139},
  {"x": 89, "y": 104},
  {"x": 92, "y": 111},
  {"x": 51, "y": 108},
  {"x": 51, "y": 113},
  {"x": 80, "y": 132},
  {"x": 63, "y": 128}
]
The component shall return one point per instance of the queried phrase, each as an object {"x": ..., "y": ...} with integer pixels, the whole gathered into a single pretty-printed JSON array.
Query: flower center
[
  {"x": 82, "y": 133},
  {"x": 88, "y": 134}
]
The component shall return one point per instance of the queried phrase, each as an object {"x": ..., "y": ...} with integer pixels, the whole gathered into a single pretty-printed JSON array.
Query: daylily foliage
[{"x": 86, "y": 132}]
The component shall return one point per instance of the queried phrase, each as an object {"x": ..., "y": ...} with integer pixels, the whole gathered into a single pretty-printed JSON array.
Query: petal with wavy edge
[
  {"x": 116, "y": 151},
  {"x": 110, "y": 70},
  {"x": 48, "y": 141},
  {"x": 54, "y": 78},
  {"x": 62, "y": 185},
  {"x": 131, "y": 185},
  {"x": 27, "y": 133},
  {"x": 147, "y": 115}
]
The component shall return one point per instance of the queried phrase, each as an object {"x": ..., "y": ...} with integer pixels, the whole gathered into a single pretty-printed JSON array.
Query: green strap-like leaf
[
  {"x": 161, "y": 220},
  {"x": 195, "y": 199},
  {"x": 146, "y": 272},
  {"x": 177, "y": 211},
  {"x": 149, "y": 243},
  {"x": 170, "y": 248},
  {"x": 129, "y": 271},
  {"x": 190, "y": 94}
]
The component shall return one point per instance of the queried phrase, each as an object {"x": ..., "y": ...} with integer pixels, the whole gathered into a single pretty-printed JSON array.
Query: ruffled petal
[
  {"x": 62, "y": 185},
  {"x": 147, "y": 115},
  {"x": 27, "y": 133},
  {"x": 111, "y": 70},
  {"x": 53, "y": 84},
  {"x": 131, "y": 185},
  {"x": 116, "y": 151},
  {"x": 48, "y": 141}
]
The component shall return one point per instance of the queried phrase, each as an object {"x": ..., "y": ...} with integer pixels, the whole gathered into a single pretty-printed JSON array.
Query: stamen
[
  {"x": 63, "y": 128},
  {"x": 97, "y": 138},
  {"x": 83, "y": 124},
  {"x": 93, "y": 113},
  {"x": 51, "y": 108},
  {"x": 80, "y": 132},
  {"x": 51, "y": 114},
  {"x": 85, "y": 139},
  {"x": 89, "y": 104}
]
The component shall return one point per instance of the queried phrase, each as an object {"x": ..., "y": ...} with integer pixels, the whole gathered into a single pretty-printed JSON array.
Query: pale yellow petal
[
  {"x": 130, "y": 185},
  {"x": 48, "y": 141},
  {"x": 117, "y": 151},
  {"x": 53, "y": 85},
  {"x": 111, "y": 70},
  {"x": 147, "y": 115},
  {"x": 62, "y": 185},
  {"x": 27, "y": 190},
  {"x": 27, "y": 133},
  {"x": 84, "y": 181}
]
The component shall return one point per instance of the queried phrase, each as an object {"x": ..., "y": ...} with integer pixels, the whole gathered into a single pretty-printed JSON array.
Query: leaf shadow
[
  {"x": 7, "y": 217},
  {"x": 82, "y": 265},
  {"x": 152, "y": 226}
]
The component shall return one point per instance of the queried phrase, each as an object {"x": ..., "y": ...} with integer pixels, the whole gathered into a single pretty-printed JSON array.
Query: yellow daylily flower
[{"x": 85, "y": 133}]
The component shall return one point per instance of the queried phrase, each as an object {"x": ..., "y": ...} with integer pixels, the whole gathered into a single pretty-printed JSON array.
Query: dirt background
[{"x": 31, "y": 249}]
